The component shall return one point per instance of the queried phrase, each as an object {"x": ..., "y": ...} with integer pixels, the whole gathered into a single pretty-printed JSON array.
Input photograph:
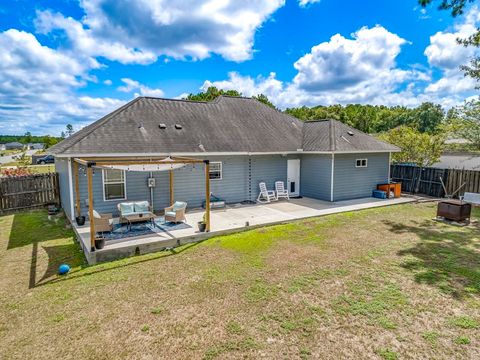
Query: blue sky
[{"x": 74, "y": 61}]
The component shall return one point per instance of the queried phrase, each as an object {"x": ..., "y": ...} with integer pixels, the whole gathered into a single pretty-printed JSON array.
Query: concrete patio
[{"x": 233, "y": 218}]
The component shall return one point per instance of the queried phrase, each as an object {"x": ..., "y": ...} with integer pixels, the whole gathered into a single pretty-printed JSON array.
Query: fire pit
[{"x": 454, "y": 210}]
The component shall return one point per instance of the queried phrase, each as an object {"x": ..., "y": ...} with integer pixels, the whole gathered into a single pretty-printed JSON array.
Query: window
[
  {"x": 114, "y": 184},
  {"x": 215, "y": 171},
  {"x": 361, "y": 163}
]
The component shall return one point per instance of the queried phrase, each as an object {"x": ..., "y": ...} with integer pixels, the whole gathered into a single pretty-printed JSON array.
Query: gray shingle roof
[
  {"x": 227, "y": 124},
  {"x": 333, "y": 135}
]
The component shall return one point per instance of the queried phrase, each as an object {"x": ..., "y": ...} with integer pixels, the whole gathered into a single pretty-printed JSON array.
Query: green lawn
[
  {"x": 9, "y": 152},
  {"x": 385, "y": 283},
  {"x": 35, "y": 169}
]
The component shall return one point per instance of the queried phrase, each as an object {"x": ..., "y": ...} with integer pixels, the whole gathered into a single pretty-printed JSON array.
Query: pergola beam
[
  {"x": 80, "y": 161},
  {"x": 138, "y": 160},
  {"x": 142, "y": 162}
]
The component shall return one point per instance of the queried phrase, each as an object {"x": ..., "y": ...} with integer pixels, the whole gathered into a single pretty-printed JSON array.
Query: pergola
[{"x": 135, "y": 164}]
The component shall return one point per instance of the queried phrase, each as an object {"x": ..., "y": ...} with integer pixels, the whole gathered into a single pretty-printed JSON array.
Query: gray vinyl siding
[
  {"x": 240, "y": 178},
  {"x": 136, "y": 189},
  {"x": 189, "y": 183},
  {"x": 267, "y": 169},
  {"x": 61, "y": 167},
  {"x": 315, "y": 176},
  {"x": 351, "y": 182}
]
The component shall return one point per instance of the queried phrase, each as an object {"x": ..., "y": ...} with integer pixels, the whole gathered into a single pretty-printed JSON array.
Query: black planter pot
[
  {"x": 80, "y": 220},
  {"x": 99, "y": 243},
  {"x": 202, "y": 226}
]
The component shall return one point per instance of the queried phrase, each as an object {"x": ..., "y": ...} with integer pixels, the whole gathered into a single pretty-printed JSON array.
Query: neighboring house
[
  {"x": 14, "y": 146},
  {"x": 467, "y": 161},
  {"x": 36, "y": 146},
  {"x": 245, "y": 141},
  {"x": 2, "y": 147}
]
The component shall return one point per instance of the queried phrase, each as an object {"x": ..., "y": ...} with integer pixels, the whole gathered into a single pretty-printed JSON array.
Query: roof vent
[
  {"x": 140, "y": 126},
  {"x": 162, "y": 126},
  {"x": 350, "y": 133},
  {"x": 178, "y": 126}
]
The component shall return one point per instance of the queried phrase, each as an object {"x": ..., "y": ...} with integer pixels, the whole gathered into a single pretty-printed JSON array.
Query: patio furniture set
[
  {"x": 267, "y": 196},
  {"x": 140, "y": 211}
]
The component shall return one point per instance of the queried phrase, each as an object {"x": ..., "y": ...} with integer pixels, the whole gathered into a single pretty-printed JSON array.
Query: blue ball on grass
[{"x": 63, "y": 269}]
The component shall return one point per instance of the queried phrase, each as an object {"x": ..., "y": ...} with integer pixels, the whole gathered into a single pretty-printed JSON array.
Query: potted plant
[
  {"x": 99, "y": 242},
  {"x": 202, "y": 225},
  {"x": 80, "y": 220}
]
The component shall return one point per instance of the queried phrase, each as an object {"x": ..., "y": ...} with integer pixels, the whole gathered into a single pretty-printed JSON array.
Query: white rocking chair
[
  {"x": 265, "y": 195},
  {"x": 281, "y": 191}
]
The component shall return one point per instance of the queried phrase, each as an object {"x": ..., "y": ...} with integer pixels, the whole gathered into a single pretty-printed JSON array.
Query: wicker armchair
[
  {"x": 176, "y": 212},
  {"x": 102, "y": 222}
]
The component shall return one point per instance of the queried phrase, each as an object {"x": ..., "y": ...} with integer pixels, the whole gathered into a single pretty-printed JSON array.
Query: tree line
[
  {"x": 374, "y": 119},
  {"x": 28, "y": 138},
  {"x": 47, "y": 140}
]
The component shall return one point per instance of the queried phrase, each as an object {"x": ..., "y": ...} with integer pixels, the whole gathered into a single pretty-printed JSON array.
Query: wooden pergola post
[
  {"x": 90, "y": 205},
  {"x": 77, "y": 189},
  {"x": 171, "y": 187},
  {"x": 207, "y": 195}
]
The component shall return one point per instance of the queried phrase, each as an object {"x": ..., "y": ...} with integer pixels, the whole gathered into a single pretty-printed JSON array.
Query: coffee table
[{"x": 143, "y": 217}]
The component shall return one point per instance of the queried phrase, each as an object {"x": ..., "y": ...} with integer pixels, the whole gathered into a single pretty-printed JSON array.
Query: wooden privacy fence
[
  {"x": 25, "y": 192},
  {"x": 417, "y": 180},
  {"x": 420, "y": 180},
  {"x": 458, "y": 177}
]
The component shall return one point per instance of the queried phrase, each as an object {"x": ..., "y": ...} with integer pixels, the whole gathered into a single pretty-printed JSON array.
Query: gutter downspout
[
  {"x": 332, "y": 176},
  {"x": 333, "y": 148},
  {"x": 151, "y": 193},
  {"x": 389, "y": 166}
]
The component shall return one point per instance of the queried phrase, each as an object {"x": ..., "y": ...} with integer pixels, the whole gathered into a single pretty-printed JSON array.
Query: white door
[{"x": 293, "y": 177}]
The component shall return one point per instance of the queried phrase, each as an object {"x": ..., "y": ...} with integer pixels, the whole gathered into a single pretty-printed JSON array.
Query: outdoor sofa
[{"x": 134, "y": 210}]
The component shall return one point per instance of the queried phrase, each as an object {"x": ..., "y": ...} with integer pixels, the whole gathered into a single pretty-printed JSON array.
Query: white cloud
[
  {"x": 142, "y": 90},
  {"x": 247, "y": 85},
  {"x": 287, "y": 94},
  {"x": 342, "y": 63},
  {"x": 152, "y": 28},
  {"x": 446, "y": 55},
  {"x": 357, "y": 70},
  {"x": 83, "y": 40},
  {"x": 304, "y": 3},
  {"x": 363, "y": 69},
  {"x": 444, "y": 51},
  {"x": 37, "y": 83}
]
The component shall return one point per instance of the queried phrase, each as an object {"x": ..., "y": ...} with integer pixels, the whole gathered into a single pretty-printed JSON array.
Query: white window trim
[
  {"x": 118, "y": 182},
  {"x": 221, "y": 170},
  {"x": 361, "y": 160}
]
